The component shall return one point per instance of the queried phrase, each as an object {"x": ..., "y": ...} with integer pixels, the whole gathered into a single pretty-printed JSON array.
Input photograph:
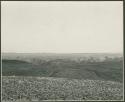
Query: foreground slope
[{"x": 41, "y": 88}]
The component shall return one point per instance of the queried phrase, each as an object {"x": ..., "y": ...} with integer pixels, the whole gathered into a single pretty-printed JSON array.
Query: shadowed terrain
[{"x": 65, "y": 69}]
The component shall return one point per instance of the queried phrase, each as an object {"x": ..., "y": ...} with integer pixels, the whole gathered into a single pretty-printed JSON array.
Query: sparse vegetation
[
  {"x": 43, "y": 88},
  {"x": 30, "y": 78}
]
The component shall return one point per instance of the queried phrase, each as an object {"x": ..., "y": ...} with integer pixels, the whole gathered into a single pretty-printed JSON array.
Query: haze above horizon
[{"x": 62, "y": 27}]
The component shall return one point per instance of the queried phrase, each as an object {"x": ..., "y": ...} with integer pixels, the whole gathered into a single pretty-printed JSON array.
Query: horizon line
[{"x": 64, "y": 52}]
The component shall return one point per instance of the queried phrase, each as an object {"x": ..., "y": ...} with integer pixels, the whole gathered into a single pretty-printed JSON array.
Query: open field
[
  {"x": 43, "y": 88},
  {"x": 38, "y": 77},
  {"x": 62, "y": 51}
]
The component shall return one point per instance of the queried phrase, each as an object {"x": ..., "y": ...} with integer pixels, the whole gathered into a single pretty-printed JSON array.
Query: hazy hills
[
  {"x": 29, "y": 77},
  {"x": 51, "y": 56},
  {"x": 65, "y": 67}
]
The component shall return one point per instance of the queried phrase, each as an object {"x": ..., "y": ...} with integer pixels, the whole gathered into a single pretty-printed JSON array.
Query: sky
[{"x": 62, "y": 26}]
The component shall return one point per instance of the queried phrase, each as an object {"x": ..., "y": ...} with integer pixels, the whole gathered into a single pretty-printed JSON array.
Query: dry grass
[{"x": 42, "y": 88}]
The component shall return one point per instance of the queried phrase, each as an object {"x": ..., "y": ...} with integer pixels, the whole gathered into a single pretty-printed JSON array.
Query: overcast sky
[{"x": 62, "y": 27}]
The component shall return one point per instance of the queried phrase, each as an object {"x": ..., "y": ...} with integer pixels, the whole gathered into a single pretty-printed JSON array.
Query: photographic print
[{"x": 62, "y": 51}]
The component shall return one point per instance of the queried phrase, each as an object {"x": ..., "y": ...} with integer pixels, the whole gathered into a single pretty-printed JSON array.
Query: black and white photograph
[{"x": 62, "y": 51}]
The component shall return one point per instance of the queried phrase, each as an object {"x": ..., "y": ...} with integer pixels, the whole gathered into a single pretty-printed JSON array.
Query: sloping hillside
[
  {"x": 20, "y": 68},
  {"x": 65, "y": 69},
  {"x": 97, "y": 70}
]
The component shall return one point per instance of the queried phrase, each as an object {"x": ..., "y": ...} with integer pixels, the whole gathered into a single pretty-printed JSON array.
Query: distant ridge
[{"x": 64, "y": 68}]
